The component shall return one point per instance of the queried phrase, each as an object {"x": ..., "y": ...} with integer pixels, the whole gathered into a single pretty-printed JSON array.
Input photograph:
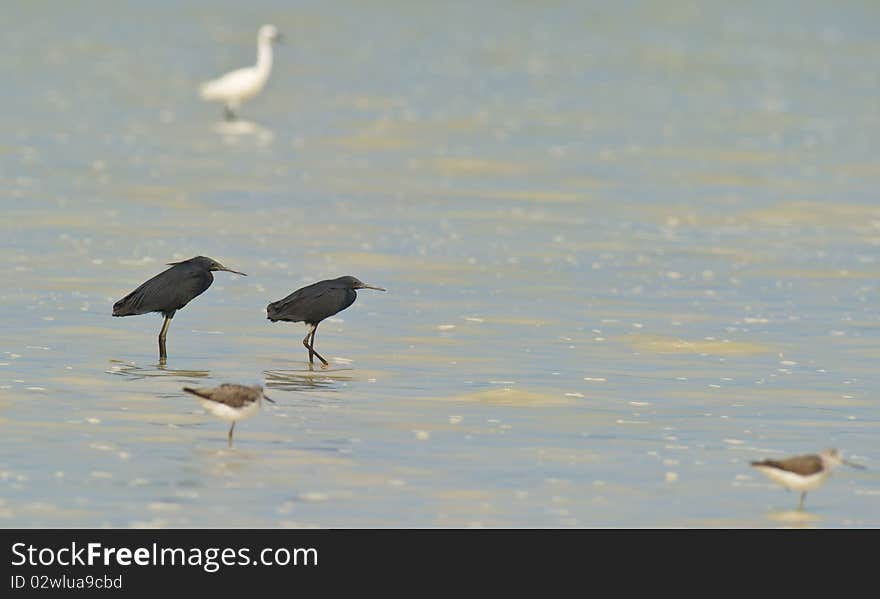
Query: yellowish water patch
[
  {"x": 513, "y": 397},
  {"x": 93, "y": 384},
  {"x": 523, "y": 321},
  {"x": 859, "y": 169},
  {"x": 41, "y": 220},
  {"x": 871, "y": 351},
  {"x": 367, "y": 102},
  {"x": 464, "y": 495},
  {"x": 414, "y": 268},
  {"x": 738, "y": 254},
  {"x": 283, "y": 460},
  {"x": 738, "y": 180},
  {"x": 563, "y": 454},
  {"x": 763, "y": 395},
  {"x": 158, "y": 196},
  {"x": 43, "y": 510},
  {"x": 436, "y": 340},
  {"x": 794, "y": 517},
  {"x": 519, "y": 215},
  {"x": 375, "y": 260},
  {"x": 725, "y": 155},
  {"x": 115, "y": 417},
  {"x": 480, "y": 167},
  {"x": 676, "y": 345},
  {"x": 588, "y": 182},
  {"x": 430, "y": 129},
  {"x": 548, "y": 196},
  {"x": 422, "y": 358},
  {"x": 372, "y": 142},
  {"x": 397, "y": 183},
  {"x": 824, "y": 273},
  {"x": 813, "y": 213},
  {"x": 761, "y": 122}
]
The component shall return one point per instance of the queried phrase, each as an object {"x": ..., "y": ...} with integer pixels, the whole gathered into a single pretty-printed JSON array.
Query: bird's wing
[
  {"x": 231, "y": 83},
  {"x": 168, "y": 291},
  {"x": 235, "y": 396},
  {"x": 194, "y": 284},
  {"x": 310, "y": 304},
  {"x": 205, "y": 393},
  {"x": 802, "y": 464},
  {"x": 282, "y": 306},
  {"x": 140, "y": 301}
]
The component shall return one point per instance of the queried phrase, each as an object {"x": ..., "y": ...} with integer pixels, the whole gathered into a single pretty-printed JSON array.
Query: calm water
[{"x": 629, "y": 247}]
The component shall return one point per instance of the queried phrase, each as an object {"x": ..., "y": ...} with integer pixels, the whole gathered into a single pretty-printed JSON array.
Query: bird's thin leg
[
  {"x": 801, "y": 504},
  {"x": 163, "y": 354},
  {"x": 228, "y": 114},
  {"x": 313, "y": 350},
  {"x": 230, "y": 433},
  {"x": 309, "y": 347}
]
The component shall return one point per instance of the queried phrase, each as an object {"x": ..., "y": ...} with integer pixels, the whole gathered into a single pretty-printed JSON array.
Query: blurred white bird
[{"x": 236, "y": 87}]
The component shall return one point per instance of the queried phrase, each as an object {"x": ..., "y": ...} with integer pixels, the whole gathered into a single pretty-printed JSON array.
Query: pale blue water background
[{"x": 629, "y": 247}]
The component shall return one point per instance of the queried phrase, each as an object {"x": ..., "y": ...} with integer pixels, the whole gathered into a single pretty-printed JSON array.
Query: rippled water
[{"x": 629, "y": 248}]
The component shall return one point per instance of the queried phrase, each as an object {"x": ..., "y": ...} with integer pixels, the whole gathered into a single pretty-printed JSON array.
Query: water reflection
[
  {"x": 234, "y": 132},
  {"x": 211, "y": 459},
  {"x": 794, "y": 518},
  {"x": 134, "y": 372},
  {"x": 306, "y": 380}
]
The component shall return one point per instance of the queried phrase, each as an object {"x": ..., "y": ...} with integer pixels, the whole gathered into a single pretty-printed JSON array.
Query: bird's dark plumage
[
  {"x": 168, "y": 291},
  {"x": 314, "y": 303}
]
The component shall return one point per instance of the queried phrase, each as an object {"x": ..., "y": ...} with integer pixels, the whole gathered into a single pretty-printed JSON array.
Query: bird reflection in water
[
  {"x": 304, "y": 380},
  {"x": 133, "y": 371}
]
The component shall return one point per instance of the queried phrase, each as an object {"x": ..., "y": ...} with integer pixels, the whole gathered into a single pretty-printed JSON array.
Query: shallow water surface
[{"x": 628, "y": 248}]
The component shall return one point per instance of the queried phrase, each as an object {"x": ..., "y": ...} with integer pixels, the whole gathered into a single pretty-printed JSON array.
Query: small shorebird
[
  {"x": 314, "y": 303},
  {"x": 803, "y": 472},
  {"x": 230, "y": 401},
  {"x": 235, "y": 87}
]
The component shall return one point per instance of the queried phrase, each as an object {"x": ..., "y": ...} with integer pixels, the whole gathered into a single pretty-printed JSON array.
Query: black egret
[
  {"x": 803, "y": 472},
  {"x": 169, "y": 291},
  {"x": 230, "y": 402},
  {"x": 314, "y": 303}
]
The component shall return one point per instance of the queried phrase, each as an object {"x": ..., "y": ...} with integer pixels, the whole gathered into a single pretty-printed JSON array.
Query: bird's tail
[
  {"x": 272, "y": 311},
  {"x": 128, "y": 306},
  {"x": 765, "y": 463},
  {"x": 197, "y": 392},
  {"x": 205, "y": 91}
]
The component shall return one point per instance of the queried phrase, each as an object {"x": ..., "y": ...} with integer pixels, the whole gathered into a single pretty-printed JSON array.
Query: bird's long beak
[
  {"x": 230, "y": 270},
  {"x": 280, "y": 38},
  {"x": 267, "y": 398},
  {"x": 853, "y": 465},
  {"x": 365, "y": 286}
]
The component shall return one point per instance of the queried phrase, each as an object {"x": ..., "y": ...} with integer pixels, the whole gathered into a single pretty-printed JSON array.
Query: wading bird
[
  {"x": 170, "y": 291},
  {"x": 803, "y": 472},
  {"x": 314, "y": 303},
  {"x": 236, "y": 87},
  {"x": 230, "y": 402}
]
